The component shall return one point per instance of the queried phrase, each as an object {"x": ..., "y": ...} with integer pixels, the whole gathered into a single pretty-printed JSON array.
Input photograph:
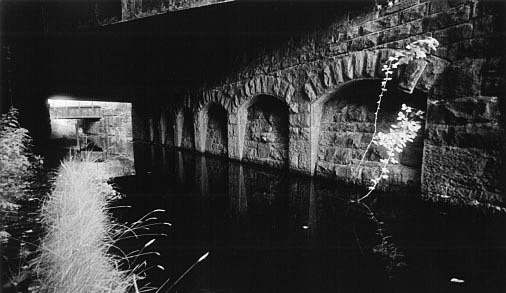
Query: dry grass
[{"x": 74, "y": 254}]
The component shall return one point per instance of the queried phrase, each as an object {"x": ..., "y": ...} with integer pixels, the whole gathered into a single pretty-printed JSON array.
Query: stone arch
[
  {"x": 155, "y": 127},
  {"x": 213, "y": 129},
  {"x": 185, "y": 134},
  {"x": 167, "y": 127},
  {"x": 263, "y": 130},
  {"x": 344, "y": 123},
  {"x": 240, "y": 93}
]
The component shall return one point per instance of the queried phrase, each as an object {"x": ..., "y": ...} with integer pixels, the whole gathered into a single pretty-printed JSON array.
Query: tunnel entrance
[{"x": 92, "y": 130}]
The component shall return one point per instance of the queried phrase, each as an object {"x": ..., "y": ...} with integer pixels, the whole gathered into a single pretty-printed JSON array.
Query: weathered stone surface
[
  {"x": 447, "y": 18},
  {"x": 348, "y": 68},
  {"x": 217, "y": 130},
  {"x": 401, "y": 32},
  {"x": 461, "y": 78},
  {"x": 310, "y": 91},
  {"x": 463, "y": 111},
  {"x": 411, "y": 74},
  {"x": 468, "y": 173},
  {"x": 413, "y": 13},
  {"x": 454, "y": 34},
  {"x": 431, "y": 73},
  {"x": 364, "y": 42},
  {"x": 380, "y": 24},
  {"x": 400, "y": 6},
  {"x": 444, "y": 5},
  {"x": 340, "y": 48},
  {"x": 473, "y": 135}
]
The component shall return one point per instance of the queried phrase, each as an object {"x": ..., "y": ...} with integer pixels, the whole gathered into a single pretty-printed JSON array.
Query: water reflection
[{"x": 272, "y": 231}]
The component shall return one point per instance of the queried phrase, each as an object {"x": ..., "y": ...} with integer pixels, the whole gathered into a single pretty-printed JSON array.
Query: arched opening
[
  {"x": 95, "y": 130},
  {"x": 188, "y": 133},
  {"x": 217, "y": 130},
  {"x": 347, "y": 126},
  {"x": 265, "y": 140},
  {"x": 167, "y": 128},
  {"x": 154, "y": 128}
]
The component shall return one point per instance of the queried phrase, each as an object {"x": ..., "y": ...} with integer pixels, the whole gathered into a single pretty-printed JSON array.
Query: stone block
[
  {"x": 434, "y": 68},
  {"x": 447, "y": 18},
  {"x": 411, "y": 74},
  {"x": 348, "y": 68},
  {"x": 413, "y": 13},
  {"x": 454, "y": 34},
  {"x": 337, "y": 69},
  {"x": 444, "y": 5},
  {"x": 464, "y": 110},
  {"x": 364, "y": 42},
  {"x": 310, "y": 91},
  {"x": 401, "y": 32},
  {"x": 460, "y": 79},
  {"x": 304, "y": 162},
  {"x": 371, "y": 60},
  {"x": 342, "y": 156},
  {"x": 278, "y": 154},
  {"x": 328, "y": 79},
  {"x": 294, "y": 159},
  {"x": 380, "y": 24},
  {"x": 476, "y": 48},
  {"x": 250, "y": 153},
  {"x": 400, "y": 6},
  {"x": 473, "y": 135},
  {"x": 340, "y": 48},
  {"x": 469, "y": 173},
  {"x": 359, "y": 62}
]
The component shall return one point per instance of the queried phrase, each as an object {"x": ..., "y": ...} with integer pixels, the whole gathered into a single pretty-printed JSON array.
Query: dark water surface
[{"x": 268, "y": 230}]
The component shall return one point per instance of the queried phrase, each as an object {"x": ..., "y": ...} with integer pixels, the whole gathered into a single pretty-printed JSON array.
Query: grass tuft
[{"x": 74, "y": 255}]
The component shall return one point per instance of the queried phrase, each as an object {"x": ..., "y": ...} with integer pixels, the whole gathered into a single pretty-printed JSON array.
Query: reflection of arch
[
  {"x": 263, "y": 130},
  {"x": 343, "y": 123},
  {"x": 185, "y": 135},
  {"x": 213, "y": 129}
]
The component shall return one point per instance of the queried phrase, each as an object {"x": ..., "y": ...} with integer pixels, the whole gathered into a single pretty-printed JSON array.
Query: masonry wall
[
  {"x": 131, "y": 9},
  {"x": 347, "y": 126},
  {"x": 460, "y": 154}
]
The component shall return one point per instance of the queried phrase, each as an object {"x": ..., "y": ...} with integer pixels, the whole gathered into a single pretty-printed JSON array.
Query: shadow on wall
[{"x": 347, "y": 126}]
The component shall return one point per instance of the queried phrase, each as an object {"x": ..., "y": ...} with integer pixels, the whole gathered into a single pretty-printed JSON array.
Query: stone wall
[
  {"x": 132, "y": 9},
  {"x": 266, "y": 137},
  {"x": 113, "y": 131},
  {"x": 462, "y": 83},
  {"x": 217, "y": 131},
  {"x": 188, "y": 135},
  {"x": 346, "y": 128}
]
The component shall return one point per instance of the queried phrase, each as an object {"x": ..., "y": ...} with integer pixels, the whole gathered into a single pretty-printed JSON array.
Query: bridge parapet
[{"x": 76, "y": 112}]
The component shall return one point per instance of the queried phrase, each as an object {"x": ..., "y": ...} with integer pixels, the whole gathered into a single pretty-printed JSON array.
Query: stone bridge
[
  {"x": 293, "y": 86},
  {"x": 76, "y": 112}
]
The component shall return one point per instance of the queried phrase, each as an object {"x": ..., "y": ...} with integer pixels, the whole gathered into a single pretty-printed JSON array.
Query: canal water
[{"x": 268, "y": 230}]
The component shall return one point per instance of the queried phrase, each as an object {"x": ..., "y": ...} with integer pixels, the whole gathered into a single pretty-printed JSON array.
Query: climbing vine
[{"x": 408, "y": 124}]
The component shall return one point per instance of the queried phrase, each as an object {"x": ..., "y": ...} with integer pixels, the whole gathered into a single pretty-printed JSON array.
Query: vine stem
[
  {"x": 383, "y": 90},
  {"x": 372, "y": 188}
]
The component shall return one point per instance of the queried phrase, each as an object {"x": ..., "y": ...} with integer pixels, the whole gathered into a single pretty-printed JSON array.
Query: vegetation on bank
[
  {"x": 74, "y": 255},
  {"x": 18, "y": 167}
]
